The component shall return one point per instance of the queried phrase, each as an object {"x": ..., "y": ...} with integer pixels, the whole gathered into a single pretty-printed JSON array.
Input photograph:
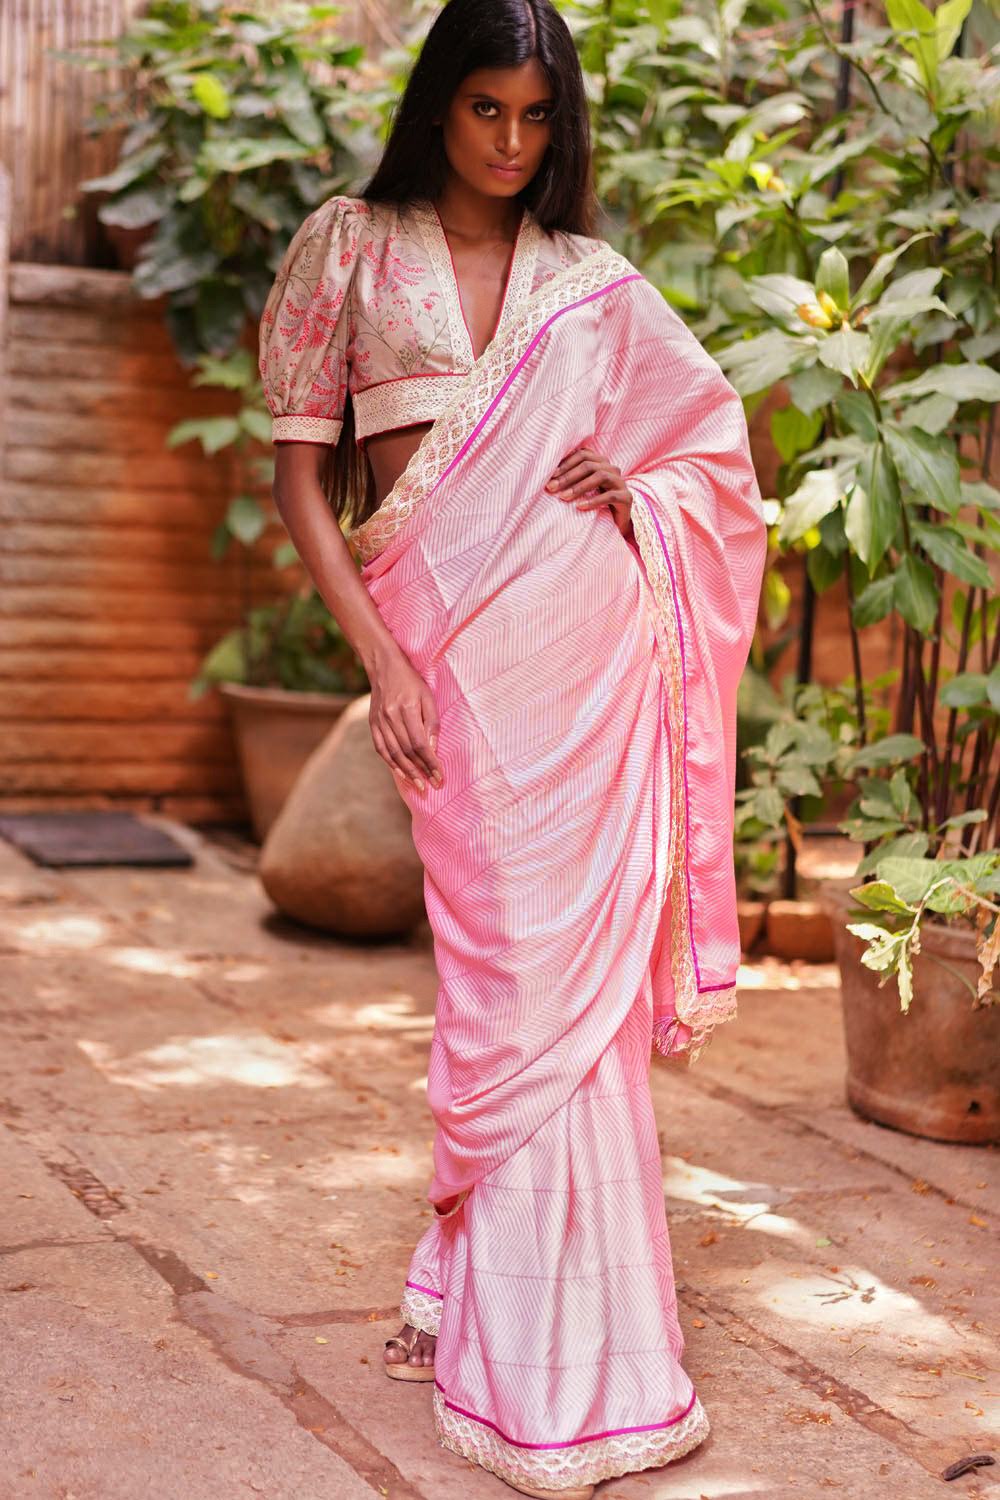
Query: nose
[{"x": 509, "y": 142}]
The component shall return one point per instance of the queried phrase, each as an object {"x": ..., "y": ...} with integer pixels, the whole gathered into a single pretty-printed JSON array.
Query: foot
[{"x": 421, "y": 1352}]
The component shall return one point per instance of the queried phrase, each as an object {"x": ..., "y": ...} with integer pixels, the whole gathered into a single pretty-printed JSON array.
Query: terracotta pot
[
  {"x": 276, "y": 732},
  {"x": 799, "y": 929},
  {"x": 750, "y": 915},
  {"x": 934, "y": 1071}
]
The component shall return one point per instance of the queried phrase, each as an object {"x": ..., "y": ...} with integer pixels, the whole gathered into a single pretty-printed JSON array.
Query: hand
[
  {"x": 404, "y": 723},
  {"x": 591, "y": 480}
]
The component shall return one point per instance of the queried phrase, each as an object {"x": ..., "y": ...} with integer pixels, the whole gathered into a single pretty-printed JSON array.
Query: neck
[{"x": 477, "y": 216}]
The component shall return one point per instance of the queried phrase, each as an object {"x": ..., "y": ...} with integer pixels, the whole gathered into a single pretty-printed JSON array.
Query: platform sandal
[{"x": 403, "y": 1371}]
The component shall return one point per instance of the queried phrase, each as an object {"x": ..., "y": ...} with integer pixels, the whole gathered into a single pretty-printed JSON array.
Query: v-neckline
[{"x": 517, "y": 282}]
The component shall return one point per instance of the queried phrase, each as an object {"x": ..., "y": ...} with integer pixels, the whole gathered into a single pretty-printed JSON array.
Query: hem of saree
[
  {"x": 587, "y": 1460},
  {"x": 702, "y": 1009},
  {"x": 421, "y": 1308}
]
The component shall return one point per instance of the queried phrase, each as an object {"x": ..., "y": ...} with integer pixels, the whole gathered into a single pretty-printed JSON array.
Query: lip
[{"x": 504, "y": 171}]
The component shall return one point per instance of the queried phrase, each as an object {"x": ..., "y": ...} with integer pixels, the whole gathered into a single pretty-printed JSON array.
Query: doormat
[{"x": 91, "y": 838}]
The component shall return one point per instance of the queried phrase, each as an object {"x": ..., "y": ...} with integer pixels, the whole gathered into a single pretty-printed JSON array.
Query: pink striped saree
[{"x": 578, "y": 858}]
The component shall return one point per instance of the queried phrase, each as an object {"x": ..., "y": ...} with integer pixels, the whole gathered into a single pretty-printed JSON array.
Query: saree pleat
[{"x": 584, "y": 688}]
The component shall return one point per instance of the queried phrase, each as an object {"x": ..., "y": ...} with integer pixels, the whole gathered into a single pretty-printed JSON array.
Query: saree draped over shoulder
[{"x": 578, "y": 857}]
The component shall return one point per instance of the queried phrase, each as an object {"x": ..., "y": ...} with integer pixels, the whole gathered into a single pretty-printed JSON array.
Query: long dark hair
[{"x": 466, "y": 35}]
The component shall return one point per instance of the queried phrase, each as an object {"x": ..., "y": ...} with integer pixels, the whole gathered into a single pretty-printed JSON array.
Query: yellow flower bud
[
  {"x": 814, "y": 315},
  {"x": 828, "y": 305}
]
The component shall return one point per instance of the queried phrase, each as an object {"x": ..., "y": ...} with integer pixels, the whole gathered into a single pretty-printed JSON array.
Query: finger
[
  {"x": 428, "y": 710},
  {"x": 419, "y": 749},
  {"x": 401, "y": 757},
  {"x": 576, "y": 473}
]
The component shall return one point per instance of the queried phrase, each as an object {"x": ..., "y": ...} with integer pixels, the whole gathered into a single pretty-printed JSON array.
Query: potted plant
[
  {"x": 235, "y": 123},
  {"x": 286, "y": 672}
]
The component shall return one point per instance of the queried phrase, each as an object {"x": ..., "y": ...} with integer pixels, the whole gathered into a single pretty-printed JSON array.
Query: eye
[{"x": 538, "y": 112}]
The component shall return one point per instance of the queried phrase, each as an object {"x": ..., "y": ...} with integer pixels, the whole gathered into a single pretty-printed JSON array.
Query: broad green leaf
[
  {"x": 212, "y": 432},
  {"x": 873, "y": 509},
  {"x": 135, "y": 210},
  {"x": 780, "y": 295},
  {"x": 948, "y": 20},
  {"x": 928, "y": 464},
  {"x": 847, "y": 351},
  {"x": 984, "y": 215},
  {"x": 833, "y": 277},
  {"x": 757, "y": 364},
  {"x": 246, "y": 519},
  {"x": 878, "y": 895},
  {"x": 874, "y": 602},
  {"x": 947, "y": 548},
  {"x": 873, "y": 283},
  {"x": 886, "y": 751},
  {"x": 965, "y": 690},
  {"x": 257, "y": 423},
  {"x": 793, "y": 431},
  {"x": 128, "y": 170},
  {"x": 931, "y": 415},
  {"x": 916, "y": 593},
  {"x": 814, "y": 387},
  {"x": 818, "y": 493},
  {"x": 963, "y": 382},
  {"x": 770, "y": 806},
  {"x": 993, "y": 686}
]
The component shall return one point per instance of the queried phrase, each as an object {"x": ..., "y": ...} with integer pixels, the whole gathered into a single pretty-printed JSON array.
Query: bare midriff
[{"x": 389, "y": 453}]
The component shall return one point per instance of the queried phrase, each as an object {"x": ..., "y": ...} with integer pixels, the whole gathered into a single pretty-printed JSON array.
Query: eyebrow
[{"x": 478, "y": 94}]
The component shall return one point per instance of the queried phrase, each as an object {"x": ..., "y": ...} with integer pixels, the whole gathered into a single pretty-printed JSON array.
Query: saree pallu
[{"x": 578, "y": 858}]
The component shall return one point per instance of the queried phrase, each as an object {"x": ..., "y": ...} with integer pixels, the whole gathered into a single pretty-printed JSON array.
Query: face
[{"x": 499, "y": 117}]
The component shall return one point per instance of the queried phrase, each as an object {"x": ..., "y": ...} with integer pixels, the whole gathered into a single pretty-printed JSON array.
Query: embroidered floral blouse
[{"x": 366, "y": 300}]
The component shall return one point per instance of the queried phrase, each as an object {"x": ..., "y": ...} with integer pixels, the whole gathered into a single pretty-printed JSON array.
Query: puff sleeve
[{"x": 303, "y": 335}]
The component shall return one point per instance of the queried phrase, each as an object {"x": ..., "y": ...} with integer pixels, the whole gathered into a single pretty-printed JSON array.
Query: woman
[{"x": 548, "y": 484}]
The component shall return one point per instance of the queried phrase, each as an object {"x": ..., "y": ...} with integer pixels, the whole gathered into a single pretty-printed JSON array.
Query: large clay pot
[
  {"x": 341, "y": 856},
  {"x": 276, "y": 732},
  {"x": 934, "y": 1071}
]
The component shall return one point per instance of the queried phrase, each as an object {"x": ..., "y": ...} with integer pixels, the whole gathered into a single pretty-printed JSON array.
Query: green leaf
[
  {"x": 770, "y": 806},
  {"x": 135, "y": 210},
  {"x": 963, "y": 382},
  {"x": 873, "y": 509},
  {"x": 818, "y": 493},
  {"x": 814, "y": 387},
  {"x": 847, "y": 351},
  {"x": 858, "y": 413},
  {"x": 886, "y": 751},
  {"x": 212, "y": 432},
  {"x": 256, "y": 422},
  {"x": 758, "y": 363},
  {"x": 916, "y": 593},
  {"x": 928, "y": 464},
  {"x": 128, "y": 170},
  {"x": 794, "y": 431},
  {"x": 824, "y": 567},
  {"x": 873, "y": 283},
  {"x": 993, "y": 686},
  {"x": 948, "y": 20},
  {"x": 947, "y": 548},
  {"x": 874, "y": 602},
  {"x": 965, "y": 690},
  {"x": 833, "y": 277},
  {"x": 211, "y": 93},
  {"x": 246, "y": 519},
  {"x": 879, "y": 895}
]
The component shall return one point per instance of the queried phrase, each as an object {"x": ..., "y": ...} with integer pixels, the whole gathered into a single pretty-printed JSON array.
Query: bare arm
[{"x": 403, "y": 717}]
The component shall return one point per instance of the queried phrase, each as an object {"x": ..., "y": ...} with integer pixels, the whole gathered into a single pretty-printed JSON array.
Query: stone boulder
[{"x": 340, "y": 855}]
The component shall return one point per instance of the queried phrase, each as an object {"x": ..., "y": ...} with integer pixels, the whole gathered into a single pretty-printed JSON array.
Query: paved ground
[{"x": 215, "y": 1154}]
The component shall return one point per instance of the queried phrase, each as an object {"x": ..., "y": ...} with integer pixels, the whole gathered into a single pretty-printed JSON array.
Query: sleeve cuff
[{"x": 305, "y": 429}]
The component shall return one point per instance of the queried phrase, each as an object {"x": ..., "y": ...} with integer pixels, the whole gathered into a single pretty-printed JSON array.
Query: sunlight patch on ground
[
  {"x": 248, "y": 1058},
  {"x": 749, "y": 1203},
  {"x": 769, "y": 973},
  {"x": 164, "y": 961},
  {"x": 72, "y": 930},
  {"x": 395, "y": 1013}
]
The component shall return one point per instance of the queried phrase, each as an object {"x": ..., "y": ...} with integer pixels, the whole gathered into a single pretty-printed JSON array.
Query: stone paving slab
[
  {"x": 221, "y": 1122},
  {"x": 114, "y": 1399}
]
